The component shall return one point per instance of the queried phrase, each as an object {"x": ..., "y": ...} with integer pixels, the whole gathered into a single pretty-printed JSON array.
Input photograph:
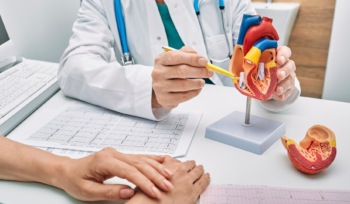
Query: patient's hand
[
  {"x": 188, "y": 181},
  {"x": 83, "y": 178}
]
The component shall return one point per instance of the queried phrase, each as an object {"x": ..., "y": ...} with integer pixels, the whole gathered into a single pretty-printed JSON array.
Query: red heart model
[{"x": 254, "y": 58}]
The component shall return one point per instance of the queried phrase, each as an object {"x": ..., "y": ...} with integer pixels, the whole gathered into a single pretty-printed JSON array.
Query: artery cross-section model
[
  {"x": 256, "y": 49},
  {"x": 315, "y": 152}
]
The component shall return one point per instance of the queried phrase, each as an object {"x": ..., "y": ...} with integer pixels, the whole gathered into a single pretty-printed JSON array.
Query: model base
[{"x": 256, "y": 138}]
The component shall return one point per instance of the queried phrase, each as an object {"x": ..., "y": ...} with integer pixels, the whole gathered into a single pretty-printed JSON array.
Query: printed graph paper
[
  {"x": 97, "y": 128},
  {"x": 230, "y": 194}
]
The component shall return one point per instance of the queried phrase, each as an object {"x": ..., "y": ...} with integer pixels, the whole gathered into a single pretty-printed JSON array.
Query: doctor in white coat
[{"x": 158, "y": 81}]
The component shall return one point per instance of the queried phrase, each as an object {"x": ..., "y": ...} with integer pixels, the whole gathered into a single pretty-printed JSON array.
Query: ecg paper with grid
[
  {"x": 88, "y": 128},
  {"x": 230, "y": 194}
]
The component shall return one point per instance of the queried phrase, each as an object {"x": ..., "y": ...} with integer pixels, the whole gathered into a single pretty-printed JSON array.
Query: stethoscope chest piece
[{"x": 126, "y": 58}]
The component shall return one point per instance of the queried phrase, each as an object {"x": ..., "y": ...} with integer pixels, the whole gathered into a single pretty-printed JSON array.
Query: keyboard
[{"x": 23, "y": 81}]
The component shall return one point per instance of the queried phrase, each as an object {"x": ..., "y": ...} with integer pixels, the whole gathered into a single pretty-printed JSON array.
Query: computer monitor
[{"x": 7, "y": 48}]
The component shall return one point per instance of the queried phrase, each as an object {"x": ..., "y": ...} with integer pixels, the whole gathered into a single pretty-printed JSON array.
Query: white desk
[{"x": 226, "y": 164}]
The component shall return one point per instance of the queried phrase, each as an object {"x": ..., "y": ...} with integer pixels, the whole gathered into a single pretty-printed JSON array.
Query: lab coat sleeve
[
  {"x": 86, "y": 73},
  {"x": 246, "y": 7}
]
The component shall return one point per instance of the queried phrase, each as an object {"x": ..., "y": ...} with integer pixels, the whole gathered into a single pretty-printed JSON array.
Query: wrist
[
  {"x": 59, "y": 172},
  {"x": 141, "y": 198},
  {"x": 155, "y": 103}
]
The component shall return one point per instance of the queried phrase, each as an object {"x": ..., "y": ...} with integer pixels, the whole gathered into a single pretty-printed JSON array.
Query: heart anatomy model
[
  {"x": 254, "y": 58},
  {"x": 315, "y": 152}
]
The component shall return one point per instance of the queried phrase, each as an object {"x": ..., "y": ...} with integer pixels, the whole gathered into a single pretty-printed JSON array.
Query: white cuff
[
  {"x": 143, "y": 97},
  {"x": 160, "y": 113}
]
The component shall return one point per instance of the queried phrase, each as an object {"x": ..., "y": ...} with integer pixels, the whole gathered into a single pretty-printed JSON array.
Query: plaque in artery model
[{"x": 316, "y": 151}]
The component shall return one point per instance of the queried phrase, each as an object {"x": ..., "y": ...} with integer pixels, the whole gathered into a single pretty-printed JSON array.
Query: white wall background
[
  {"x": 337, "y": 81},
  {"x": 40, "y": 29}
]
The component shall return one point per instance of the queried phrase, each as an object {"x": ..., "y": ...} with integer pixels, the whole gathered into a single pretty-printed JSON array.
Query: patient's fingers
[
  {"x": 189, "y": 165},
  {"x": 97, "y": 191},
  {"x": 196, "y": 173},
  {"x": 158, "y": 158},
  {"x": 202, "y": 183},
  {"x": 139, "y": 161},
  {"x": 159, "y": 167},
  {"x": 132, "y": 174}
]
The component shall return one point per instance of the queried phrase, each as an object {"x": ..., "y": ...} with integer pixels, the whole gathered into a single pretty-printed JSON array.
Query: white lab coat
[{"x": 87, "y": 73}]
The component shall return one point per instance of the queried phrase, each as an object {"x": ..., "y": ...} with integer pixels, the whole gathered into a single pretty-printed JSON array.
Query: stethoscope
[
  {"x": 222, "y": 8},
  {"x": 127, "y": 59}
]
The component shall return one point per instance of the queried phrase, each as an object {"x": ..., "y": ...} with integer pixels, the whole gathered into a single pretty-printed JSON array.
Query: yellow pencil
[{"x": 209, "y": 66}]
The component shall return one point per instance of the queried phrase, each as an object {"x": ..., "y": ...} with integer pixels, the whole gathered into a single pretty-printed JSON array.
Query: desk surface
[{"x": 226, "y": 164}]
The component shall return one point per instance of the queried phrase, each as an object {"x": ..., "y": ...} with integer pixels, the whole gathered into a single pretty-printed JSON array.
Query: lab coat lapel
[
  {"x": 153, "y": 34},
  {"x": 185, "y": 20},
  {"x": 144, "y": 29},
  {"x": 156, "y": 28},
  {"x": 186, "y": 23}
]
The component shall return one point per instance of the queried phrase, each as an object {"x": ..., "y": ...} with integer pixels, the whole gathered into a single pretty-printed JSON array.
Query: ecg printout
[
  {"x": 88, "y": 128},
  {"x": 230, "y": 194}
]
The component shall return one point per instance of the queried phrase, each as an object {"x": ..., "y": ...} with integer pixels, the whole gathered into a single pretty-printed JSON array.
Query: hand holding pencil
[
  {"x": 209, "y": 66},
  {"x": 178, "y": 77}
]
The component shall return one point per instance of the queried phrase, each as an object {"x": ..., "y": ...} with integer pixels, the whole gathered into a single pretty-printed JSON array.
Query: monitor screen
[{"x": 4, "y": 37}]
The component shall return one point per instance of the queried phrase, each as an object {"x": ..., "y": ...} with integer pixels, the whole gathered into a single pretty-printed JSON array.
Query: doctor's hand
[
  {"x": 189, "y": 182},
  {"x": 285, "y": 74},
  {"x": 83, "y": 178},
  {"x": 177, "y": 77}
]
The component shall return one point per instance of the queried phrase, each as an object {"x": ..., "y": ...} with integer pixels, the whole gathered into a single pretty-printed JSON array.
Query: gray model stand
[{"x": 251, "y": 133}]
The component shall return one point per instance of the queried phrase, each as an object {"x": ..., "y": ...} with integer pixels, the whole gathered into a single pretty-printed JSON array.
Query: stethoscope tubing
[
  {"x": 222, "y": 8},
  {"x": 123, "y": 38},
  {"x": 121, "y": 26},
  {"x": 197, "y": 3}
]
